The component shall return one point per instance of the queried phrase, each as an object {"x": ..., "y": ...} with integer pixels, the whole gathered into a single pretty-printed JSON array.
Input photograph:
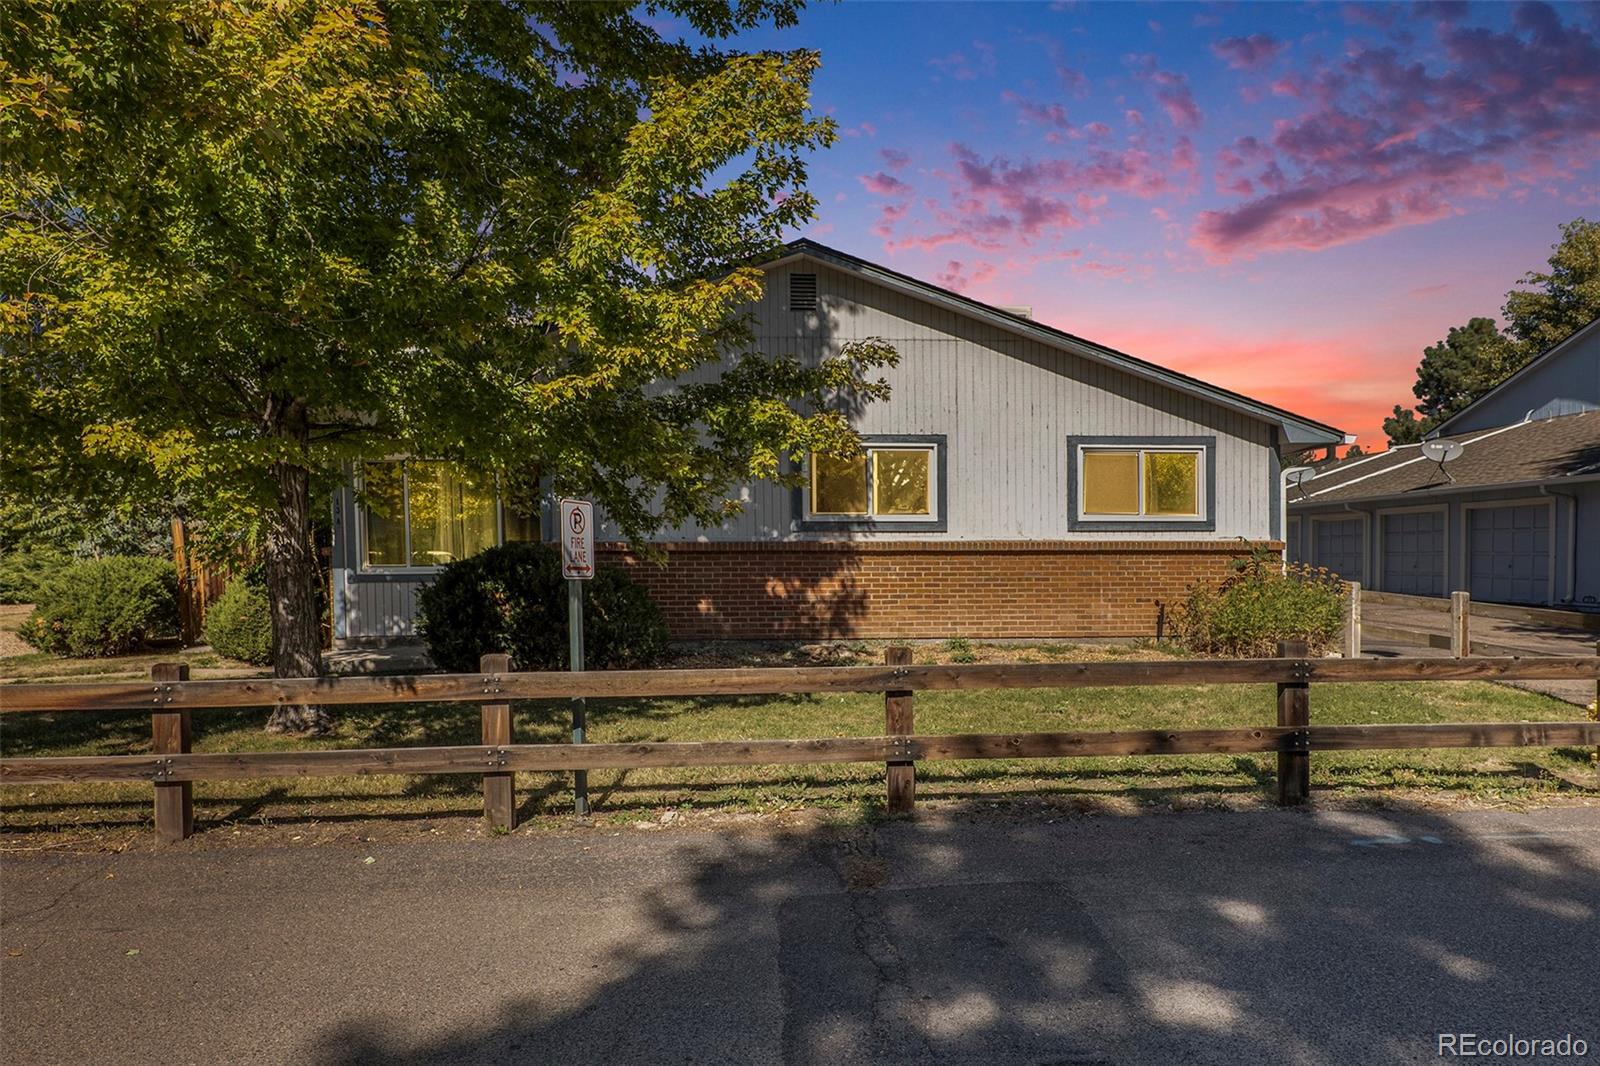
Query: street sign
[{"x": 577, "y": 540}]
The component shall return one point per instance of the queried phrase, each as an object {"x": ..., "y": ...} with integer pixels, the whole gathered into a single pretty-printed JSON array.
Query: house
[
  {"x": 1514, "y": 518},
  {"x": 1020, "y": 482}
]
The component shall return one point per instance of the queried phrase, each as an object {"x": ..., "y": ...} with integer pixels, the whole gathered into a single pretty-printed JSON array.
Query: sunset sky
[{"x": 1288, "y": 200}]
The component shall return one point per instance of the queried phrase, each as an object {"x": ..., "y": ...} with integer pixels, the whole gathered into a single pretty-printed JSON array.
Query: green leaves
[{"x": 301, "y": 233}]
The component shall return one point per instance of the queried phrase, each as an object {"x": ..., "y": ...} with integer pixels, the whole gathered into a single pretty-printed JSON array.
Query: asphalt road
[{"x": 1230, "y": 938}]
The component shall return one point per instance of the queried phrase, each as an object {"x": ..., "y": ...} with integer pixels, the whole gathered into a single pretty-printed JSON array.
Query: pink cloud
[
  {"x": 958, "y": 276},
  {"x": 885, "y": 184},
  {"x": 1037, "y": 113},
  {"x": 895, "y": 158},
  {"x": 1385, "y": 141},
  {"x": 1247, "y": 53}
]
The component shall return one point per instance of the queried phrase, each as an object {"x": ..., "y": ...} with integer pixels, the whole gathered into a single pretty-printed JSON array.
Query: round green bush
[
  {"x": 239, "y": 623},
  {"x": 104, "y": 607},
  {"x": 24, "y": 574},
  {"x": 513, "y": 599}
]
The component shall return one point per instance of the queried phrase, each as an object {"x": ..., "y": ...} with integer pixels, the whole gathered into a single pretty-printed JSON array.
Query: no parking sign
[{"x": 577, "y": 540}]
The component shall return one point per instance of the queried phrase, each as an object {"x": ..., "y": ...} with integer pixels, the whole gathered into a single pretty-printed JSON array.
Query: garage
[
  {"x": 1413, "y": 552},
  {"x": 1339, "y": 545},
  {"x": 1508, "y": 553}
]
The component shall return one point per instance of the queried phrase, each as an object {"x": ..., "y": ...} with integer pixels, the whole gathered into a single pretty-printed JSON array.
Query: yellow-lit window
[
  {"x": 384, "y": 497},
  {"x": 839, "y": 486},
  {"x": 1141, "y": 482},
  {"x": 1110, "y": 482},
  {"x": 901, "y": 481},
  {"x": 1172, "y": 483},
  {"x": 426, "y": 513},
  {"x": 891, "y": 481}
]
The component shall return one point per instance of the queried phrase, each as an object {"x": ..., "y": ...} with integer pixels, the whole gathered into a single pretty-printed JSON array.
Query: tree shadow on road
[{"x": 978, "y": 938}]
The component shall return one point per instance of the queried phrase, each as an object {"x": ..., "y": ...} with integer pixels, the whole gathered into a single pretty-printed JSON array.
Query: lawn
[{"x": 1489, "y": 775}]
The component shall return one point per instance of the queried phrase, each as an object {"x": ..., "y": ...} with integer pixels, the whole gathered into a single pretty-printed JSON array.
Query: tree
[
  {"x": 1450, "y": 376},
  {"x": 243, "y": 245},
  {"x": 1562, "y": 301},
  {"x": 1476, "y": 357}
]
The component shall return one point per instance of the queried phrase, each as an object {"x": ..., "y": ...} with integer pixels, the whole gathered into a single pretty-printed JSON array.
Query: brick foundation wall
[{"x": 984, "y": 589}]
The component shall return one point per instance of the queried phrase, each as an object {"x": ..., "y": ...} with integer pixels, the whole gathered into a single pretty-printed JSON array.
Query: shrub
[
  {"x": 1259, "y": 604},
  {"x": 24, "y": 574},
  {"x": 104, "y": 607},
  {"x": 513, "y": 599},
  {"x": 239, "y": 623}
]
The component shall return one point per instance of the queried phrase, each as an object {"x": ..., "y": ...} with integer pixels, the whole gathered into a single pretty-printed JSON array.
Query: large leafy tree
[
  {"x": 242, "y": 244},
  {"x": 1476, "y": 357}
]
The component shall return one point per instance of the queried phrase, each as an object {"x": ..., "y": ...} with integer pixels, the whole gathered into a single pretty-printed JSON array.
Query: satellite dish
[
  {"x": 1298, "y": 476},
  {"x": 1442, "y": 451}
]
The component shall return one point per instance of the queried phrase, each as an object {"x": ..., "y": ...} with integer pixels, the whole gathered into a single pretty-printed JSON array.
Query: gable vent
[{"x": 802, "y": 292}]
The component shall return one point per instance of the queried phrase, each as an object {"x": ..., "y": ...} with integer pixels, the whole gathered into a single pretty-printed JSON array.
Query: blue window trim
[
  {"x": 940, "y": 523},
  {"x": 1205, "y": 524}
]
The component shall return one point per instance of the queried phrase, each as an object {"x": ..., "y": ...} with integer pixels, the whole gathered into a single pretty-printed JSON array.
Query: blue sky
[{"x": 1290, "y": 200}]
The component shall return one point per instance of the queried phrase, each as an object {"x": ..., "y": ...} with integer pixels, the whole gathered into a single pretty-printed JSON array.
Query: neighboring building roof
[
  {"x": 1531, "y": 366},
  {"x": 1552, "y": 452},
  {"x": 1296, "y": 429}
]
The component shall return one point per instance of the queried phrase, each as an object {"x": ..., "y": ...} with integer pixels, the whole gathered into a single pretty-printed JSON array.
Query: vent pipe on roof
[{"x": 1020, "y": 310}]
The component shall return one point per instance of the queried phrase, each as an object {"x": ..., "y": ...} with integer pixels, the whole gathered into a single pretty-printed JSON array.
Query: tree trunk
[{"x": 292, "y": 578}]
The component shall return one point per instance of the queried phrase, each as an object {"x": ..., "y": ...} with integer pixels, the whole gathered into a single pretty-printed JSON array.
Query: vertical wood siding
[{"x": 1007, "y": 404}]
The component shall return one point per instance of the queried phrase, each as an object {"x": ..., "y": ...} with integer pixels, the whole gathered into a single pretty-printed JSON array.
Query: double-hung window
[
  {"x": 890, "y": 481},
  {"x": 427, "y": 513},
  {"x": 1120, "y": 482}
]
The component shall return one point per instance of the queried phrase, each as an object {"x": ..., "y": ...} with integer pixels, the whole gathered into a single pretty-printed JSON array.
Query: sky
[{"x": 1288, "y": 200}]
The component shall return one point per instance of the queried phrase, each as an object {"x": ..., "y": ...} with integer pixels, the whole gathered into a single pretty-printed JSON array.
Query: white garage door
[
  {"x": 1413, "y": 553},
  {"x": 1508, "y": 553},
  {"x": 1340, "y": 547}
]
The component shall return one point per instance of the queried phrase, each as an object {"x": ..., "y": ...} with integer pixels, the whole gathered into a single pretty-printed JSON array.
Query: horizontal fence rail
[
  {"x": 476, "y": 759},
  {"x": 172, "y": 768},
  {"x": 636, "y": 684}
]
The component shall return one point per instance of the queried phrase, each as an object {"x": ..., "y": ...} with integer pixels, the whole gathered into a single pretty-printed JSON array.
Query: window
[
  {"x": 1135, "y": 484},
  {"x": 891, "y": 481},
  {"x": 426, "y": 513}
]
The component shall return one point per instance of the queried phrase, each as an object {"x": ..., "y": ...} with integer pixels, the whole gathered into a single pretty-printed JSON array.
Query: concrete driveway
[{"x": 1215, "y": 937}]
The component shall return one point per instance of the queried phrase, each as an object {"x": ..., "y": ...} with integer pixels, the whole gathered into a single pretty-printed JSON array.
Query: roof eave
[
  {"x": 1293, "y": 429},
  {"x": 1447, "y": 489}
]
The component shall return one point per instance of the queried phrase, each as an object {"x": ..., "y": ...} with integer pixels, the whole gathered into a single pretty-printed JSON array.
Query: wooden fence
[{"x": 169, "y": 697}]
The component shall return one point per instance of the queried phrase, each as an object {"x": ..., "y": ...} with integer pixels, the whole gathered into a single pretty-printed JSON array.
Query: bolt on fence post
[
  {"x": 499, "y": 787},
  {"x": 1460, "y": 618},
  {"x": 899, "y": 720},
  {"x": 170, "y": 734},
  {"x": 1294, "y": 712},
  {"x": 1352, "y": 620}
]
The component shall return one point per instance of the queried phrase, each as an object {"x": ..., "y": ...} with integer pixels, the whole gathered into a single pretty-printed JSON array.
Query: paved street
[{"x": 1216, "y": 937}]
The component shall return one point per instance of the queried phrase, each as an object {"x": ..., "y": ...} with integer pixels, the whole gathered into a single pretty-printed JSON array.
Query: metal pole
[{"x": 580, "y": 778}]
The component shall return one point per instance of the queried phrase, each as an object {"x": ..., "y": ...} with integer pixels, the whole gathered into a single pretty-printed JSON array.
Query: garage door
[
  {"x": 1339, "y": 546},
  {"x": 1413, "y": 553},
  {"x": 1508, "y": 553}
]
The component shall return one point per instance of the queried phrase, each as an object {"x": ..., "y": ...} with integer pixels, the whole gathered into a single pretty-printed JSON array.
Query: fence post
[
  {"x": 170, "y": 735},
  {"x": 1352, "y": 620},
  {"x": 499, "y": 788},
  {"x": 1294, "y": 712},
  {"x": 899, "y": 721},
  {"x": 1460, "y": 615}
]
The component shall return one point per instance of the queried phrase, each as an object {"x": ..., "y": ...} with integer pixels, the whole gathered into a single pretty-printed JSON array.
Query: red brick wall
[{"x": 817, "y": 589}]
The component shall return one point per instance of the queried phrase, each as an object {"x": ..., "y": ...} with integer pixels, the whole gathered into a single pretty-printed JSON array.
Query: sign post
[{"x": 577, "y": 566}]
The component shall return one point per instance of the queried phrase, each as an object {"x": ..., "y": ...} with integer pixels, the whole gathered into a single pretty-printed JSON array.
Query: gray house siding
[
  {"x": 1566, "y": 382},
  {"x": 1547, "y": 550},
  {"x": 1005, "y": 405}
]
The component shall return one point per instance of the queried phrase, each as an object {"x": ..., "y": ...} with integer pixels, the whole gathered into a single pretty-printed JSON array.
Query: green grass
[{"x": 1495, "y": 775}]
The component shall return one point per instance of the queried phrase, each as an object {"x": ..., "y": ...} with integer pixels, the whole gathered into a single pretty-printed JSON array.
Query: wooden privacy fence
[{"x": 169, "y": 697}]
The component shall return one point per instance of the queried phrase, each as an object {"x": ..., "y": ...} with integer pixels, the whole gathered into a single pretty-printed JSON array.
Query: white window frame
[
  {"x": 1202, "y": 502},
  {"x": 407, "y": 567},
  {"x": 867, "y": 449}
]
